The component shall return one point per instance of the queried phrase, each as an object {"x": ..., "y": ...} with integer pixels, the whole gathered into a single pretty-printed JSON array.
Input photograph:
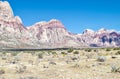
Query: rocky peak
[
  {"x": 102, "y": 30},
  {"x": 16, "y": 19},
  {"x": 50, "y": 24},
  {"x": 55, "y": 23},
  {"x": 5, "y": 10},
  {"x": 88, "y": 31}
]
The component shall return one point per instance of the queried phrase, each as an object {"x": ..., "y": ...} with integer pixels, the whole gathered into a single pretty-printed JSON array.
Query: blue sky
[{"x": 76, "y": 15}]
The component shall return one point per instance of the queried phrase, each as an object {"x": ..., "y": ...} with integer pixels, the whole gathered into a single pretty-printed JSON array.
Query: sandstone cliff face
[
  {"x": 50, "y": 34},
  {"x": 12, "y": 31},
  {"x": 101, "y": 38},
  {"x": 5, "y": 10}
]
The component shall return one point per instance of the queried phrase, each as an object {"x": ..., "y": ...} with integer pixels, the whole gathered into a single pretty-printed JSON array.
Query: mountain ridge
[{"x": 51, "y": 34}]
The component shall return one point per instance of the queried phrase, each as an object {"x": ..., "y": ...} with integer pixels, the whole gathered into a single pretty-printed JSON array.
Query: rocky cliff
[{"x": 52, "y": 34}]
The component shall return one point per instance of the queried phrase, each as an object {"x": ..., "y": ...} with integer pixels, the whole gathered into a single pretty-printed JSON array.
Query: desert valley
[{"x": 60, "y": 54}]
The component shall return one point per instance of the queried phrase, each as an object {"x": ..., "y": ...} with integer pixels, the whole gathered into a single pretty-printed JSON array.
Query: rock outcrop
[
  {"x": 101, "y": 38},
  {"x": 5, "y": 10},
  {"x": 52, "y": 34}
]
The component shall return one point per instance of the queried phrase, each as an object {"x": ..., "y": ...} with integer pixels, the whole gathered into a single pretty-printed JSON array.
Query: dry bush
[
  {"x": 29, "y": 77},
  {"x": 2, "y": 71},
  {"x": 101, "y": 58},
  {"x": 20, "y": 68},
  {"x": 117, "y": 53},
  {"x": 115, "y": 68}
]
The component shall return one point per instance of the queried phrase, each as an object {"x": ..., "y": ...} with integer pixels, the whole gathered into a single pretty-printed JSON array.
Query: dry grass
[{"x": 56, "y": 65}]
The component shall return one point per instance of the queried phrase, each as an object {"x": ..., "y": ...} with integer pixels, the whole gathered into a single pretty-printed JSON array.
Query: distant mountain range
[{"x": 52, "y": 34}]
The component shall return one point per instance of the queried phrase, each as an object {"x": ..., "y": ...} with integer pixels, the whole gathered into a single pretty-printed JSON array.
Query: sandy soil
[{"x": 57, "y": 65}]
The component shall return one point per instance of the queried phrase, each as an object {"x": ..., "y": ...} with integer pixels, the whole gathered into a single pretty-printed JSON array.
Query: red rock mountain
[{"x": 52, "y": 34}]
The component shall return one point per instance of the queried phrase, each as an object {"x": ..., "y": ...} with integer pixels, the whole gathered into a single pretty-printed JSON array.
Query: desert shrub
[
  {"x": 89, "y": 56},
  {"x": 40, "y": 55},
  {"x": 88, "y": 50},
  {"x": 54, "y": 53},
  {"x": 115, "y": 69},
  {"x": 52, "y": 63},
  {"x": 116, "y": 48},
  {"x": 29, "y": 77},
  {"x": 70, "y": 50},
  {"x": 101, "y": 58},
  {"x": 113, "y": 57},
  {"x": 76, "y": 65},
  {"x": 4, "y": 53},
  {"x": 76, "y": 52},
  {"x": 74, "y": 58},
  {"x": 108, "y": 49},
  {"x": 14, "y": 53},
  {"x": 4, "y": 58},
  {"x": 117, "y": 53},
  {"x": 63, "y": 53},
  {"x": 49, "y": 52},
  {"x": 21, "y": 69},
  {"x": 2, "y": 72},
  {"x": 95, "y": 50},
  {"x": 33, "y": 52}
]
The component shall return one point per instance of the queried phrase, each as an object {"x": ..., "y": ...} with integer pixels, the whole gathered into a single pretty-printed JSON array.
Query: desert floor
[{"x": 86, "y": 63}]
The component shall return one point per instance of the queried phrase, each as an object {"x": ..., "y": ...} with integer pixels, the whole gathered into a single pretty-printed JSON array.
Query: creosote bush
[
  {"x": 108, "y": 49},
  {"x": 4, "y": 58},
  {"x": 117, "y": 53},
  {"x": 40, "y": 55},
  {"x": 54, "y": 53},
  {"x": 63, "y": 53},
  {"x": 70, "y": 50},
  {"x": 116, "y": 48},
  {"x": 88, "y": 50},
  {"x": 95, "y": 50},
  {"x": 14, "y": 53},
  {"x": 76, "y": 52},
  {"x": 4, "y": 53}
]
